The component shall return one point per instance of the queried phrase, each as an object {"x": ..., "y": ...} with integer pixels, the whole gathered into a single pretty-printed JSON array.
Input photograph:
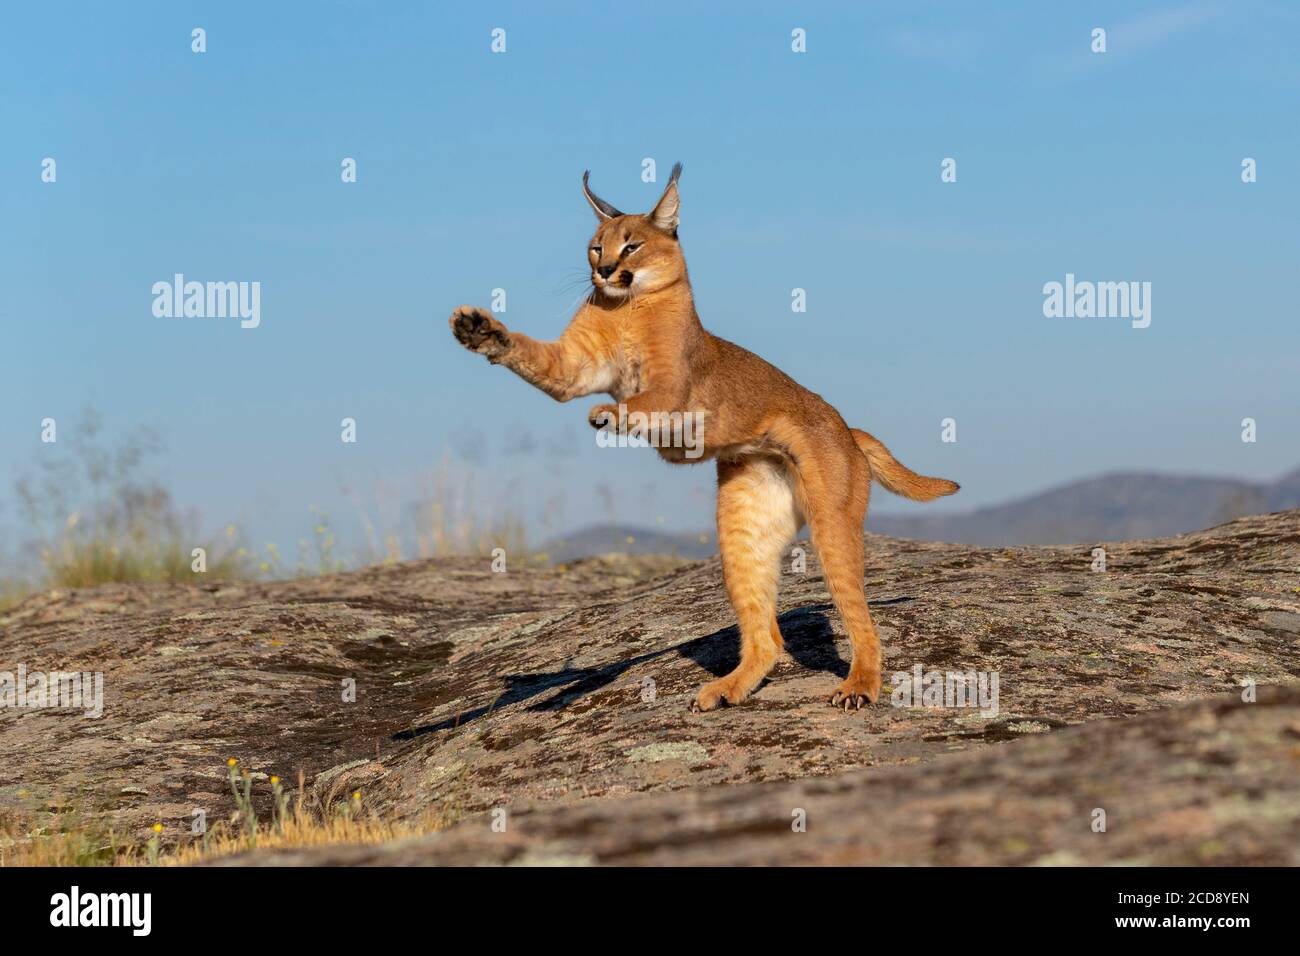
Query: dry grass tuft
[
  {"x": 93, "y": 519},
  {"x": 299, "y": 832},
  {"x": 63, "y": 836}
]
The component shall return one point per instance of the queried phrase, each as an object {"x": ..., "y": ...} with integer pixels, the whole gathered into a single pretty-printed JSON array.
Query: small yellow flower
[
  {"x": 157, "y": 828},
  {"x": 275, "y": 780},
  {"x": 356, "y": 795},
  {"x": 231, "y": 762}
]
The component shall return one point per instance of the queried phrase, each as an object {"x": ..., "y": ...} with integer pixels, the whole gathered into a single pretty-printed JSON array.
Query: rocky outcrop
[
  {"x": 1216, "y": 782},
  {"x": 542, "y": 690}
]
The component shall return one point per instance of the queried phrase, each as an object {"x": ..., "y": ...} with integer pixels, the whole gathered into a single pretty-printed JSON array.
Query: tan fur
[
  {"x": 896, "y": 476},
  {"x": 783, "y": 454}
]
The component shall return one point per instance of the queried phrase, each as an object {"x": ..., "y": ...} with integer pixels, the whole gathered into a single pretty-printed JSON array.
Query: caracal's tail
[{"x": 896, "y": 476}]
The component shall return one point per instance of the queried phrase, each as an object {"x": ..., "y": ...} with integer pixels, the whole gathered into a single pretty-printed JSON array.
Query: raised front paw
[
  {"x": 603, "y": 417},
  {"x": 479, "y": 332}
]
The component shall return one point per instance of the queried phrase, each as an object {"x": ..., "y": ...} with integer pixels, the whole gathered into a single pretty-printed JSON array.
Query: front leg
[
  {"x": 605, "y": 416},
  {"x": 480, "y": 332},
  {"x": 581, "y": 362}
]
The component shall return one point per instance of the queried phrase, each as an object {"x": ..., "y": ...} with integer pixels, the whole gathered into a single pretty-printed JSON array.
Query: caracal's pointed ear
[
  {"x": 602, "y": 209},
  {"x": 665, "y": 213}
]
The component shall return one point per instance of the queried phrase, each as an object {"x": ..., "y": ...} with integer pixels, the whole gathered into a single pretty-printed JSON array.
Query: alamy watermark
[
  {"x": 59, "y": 689},
  {"x": 651, "y": 430},
  {"x": 1098, "y": 300},
  {"x": 922, "y": 688},
  {"x": 75, "y": 908},
  {"x": 209, "y": 300}
]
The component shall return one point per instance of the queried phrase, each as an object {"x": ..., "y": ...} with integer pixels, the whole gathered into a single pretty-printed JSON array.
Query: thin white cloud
[{"x": 1136, "y": 35}]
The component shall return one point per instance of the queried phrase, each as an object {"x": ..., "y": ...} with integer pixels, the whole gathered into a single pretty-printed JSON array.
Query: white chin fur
[{"x": 614, "y": 291}]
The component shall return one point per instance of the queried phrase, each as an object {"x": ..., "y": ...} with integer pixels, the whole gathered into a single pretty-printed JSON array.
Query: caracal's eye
[
  {"x": 595, "y": 251},
  {"x": 630, "y": 248}
]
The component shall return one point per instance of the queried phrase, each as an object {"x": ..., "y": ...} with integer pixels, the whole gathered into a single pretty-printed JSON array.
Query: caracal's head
[{"x": 636, "y": 255}]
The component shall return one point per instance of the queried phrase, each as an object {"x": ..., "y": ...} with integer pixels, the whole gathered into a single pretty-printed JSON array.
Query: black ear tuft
[
  {"x": 677, "y": 173},
  {"x": 602, "y": 209}
]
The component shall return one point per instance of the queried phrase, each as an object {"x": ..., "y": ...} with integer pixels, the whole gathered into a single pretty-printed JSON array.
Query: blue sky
[{"x": 818, "y": 170}]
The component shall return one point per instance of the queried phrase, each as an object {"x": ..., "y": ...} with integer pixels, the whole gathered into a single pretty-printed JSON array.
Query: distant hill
[{"x": 1113, "y": 507}]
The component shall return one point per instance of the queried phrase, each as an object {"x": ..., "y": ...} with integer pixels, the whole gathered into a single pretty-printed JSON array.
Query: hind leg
[
  {"x": 757, "y": 517},
  {"x": 835, "y": 484}
]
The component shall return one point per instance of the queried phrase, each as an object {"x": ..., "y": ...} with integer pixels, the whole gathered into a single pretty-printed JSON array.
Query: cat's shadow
[
  {"x": 808, "y": 639},
  {"x": 806, "y": 630}
]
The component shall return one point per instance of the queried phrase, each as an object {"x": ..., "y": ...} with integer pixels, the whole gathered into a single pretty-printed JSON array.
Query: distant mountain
[{"x": 1113, "y": 507}]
